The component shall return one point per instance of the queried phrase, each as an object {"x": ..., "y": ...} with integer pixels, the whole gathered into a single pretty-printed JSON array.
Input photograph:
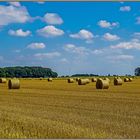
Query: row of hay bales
[
  {"x": 101, "y": 83},
  {"x": 80, "y": 81},
  {"x": 15, "y": 83},
  {"x": 128, "y": 79},
  {"x": 49, "y": 79},
  {"x": 12, "y": 83}
]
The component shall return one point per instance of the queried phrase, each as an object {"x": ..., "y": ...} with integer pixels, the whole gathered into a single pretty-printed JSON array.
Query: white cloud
[
  {"x": 138, "y": 20},
  {"x": 40, "y": 2},
  {"x": 97, "y": 52},
  {"x": 133, "y": 44},
  {"x": 75, "y": 49},
  {"x": 19, "y": 32},
  {"x": 16, "y": 4},
  {"x": 105, "y": 54},
  {"x": 64, "y": 60},
  {"x": 47, "y": 55},
  {"x": 108, "y": 51},
  {"x": 110, "y": 37},
  {"x": 125, "y": 8},
  {"x": 83, "y": 34},
  {"x": 12, "y": 14},
  {"x": 122, "y": 57},
  {"x": 53, "y": 18},
  {"x": 106, "y": 24},
  {"x": 72, "y": 48},
  {"x": 50, "y": 31},
  {"x": 113, "y": 55},
  {"x": 36, "y": 46}
]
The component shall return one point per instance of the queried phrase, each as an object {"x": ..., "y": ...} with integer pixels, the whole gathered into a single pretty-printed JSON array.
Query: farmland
[{"x": 57, "y": 109}]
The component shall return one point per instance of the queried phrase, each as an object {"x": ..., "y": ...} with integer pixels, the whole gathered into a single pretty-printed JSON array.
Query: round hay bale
[
  {"x": 102, "y": 84},
  {"x": 70, "y": 80},
  {"x": 41, "y": 78},
  {"x": 49, "y": 79},
  {"x": 130, "y": 79},
  {"x": 118, "y": 81},
  {"x": 106, "y": 79},
  {"x": 126, "y": 79},
  {"x": 94, "y": 79},
  {"x": 3, "y": 80},
  {"x": 13, "y": 84},
  {"x": 83, "y": 81}
]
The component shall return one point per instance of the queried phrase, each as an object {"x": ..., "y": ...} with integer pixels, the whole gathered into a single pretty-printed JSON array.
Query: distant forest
[
  {"x": 84, "y": 75},
  {"x": 25, "y": 72}
]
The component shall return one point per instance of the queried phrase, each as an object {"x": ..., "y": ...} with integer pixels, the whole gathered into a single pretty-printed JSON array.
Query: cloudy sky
[{"x": 71, "y": 37}]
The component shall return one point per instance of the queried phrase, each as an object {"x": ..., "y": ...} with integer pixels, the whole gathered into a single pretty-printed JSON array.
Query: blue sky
[{"x": 71, "y": 37}]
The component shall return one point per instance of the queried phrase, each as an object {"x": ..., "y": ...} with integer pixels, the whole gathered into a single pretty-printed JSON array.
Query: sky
[{"x": 71, "y": 37}]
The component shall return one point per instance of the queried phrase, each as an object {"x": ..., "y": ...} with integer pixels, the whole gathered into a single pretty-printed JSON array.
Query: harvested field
[{"x": 42, "y": 109}]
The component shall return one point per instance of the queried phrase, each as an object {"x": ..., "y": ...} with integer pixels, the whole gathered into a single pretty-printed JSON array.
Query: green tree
[
  {"x": 33, "y": 72},
  {"x": 137, "y": 71}
]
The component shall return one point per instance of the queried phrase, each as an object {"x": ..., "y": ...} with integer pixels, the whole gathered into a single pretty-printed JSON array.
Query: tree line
[
  {"x": 37, "y": 72},
  {"x": 84, "y": 75},
  {"x": 26, "y": 72}
]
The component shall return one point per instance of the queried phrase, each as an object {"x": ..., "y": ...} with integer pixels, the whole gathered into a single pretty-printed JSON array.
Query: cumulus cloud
[
  {"x": 64, "y": 60},
  {"x": 16, "y": 4},
  {"x": 50, "y": 31},
  {"x": 53, "y": 18},
  {"x": 110, "y": 37},
  {"x": 125, "y": 8},
  {"x": 19, "y": 32},
  {"x": 122, "y": 57},
  {"x": 47, "y": 55},
  {"x": 40, "y": 2},
  {"x": 133, "y": 44},
  {"x": 83, "y": 34},
  {"x": 97, "y": 52},
  {"x": 79, "y": 50},
  {"x": 11, "y": 14},
  {"x": 71, "y": 48},
  {"x": 106, "y": 24},
  {"x": 113, "y": 55},
  {"x": 36, "y": 46}
]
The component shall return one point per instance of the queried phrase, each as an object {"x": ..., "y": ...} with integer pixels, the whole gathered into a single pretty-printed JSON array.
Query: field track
[{"x": 42, "y": 109}]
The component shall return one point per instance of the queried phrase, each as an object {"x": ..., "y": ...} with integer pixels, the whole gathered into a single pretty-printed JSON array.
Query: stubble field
[{"x": 42, "y": 109}]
